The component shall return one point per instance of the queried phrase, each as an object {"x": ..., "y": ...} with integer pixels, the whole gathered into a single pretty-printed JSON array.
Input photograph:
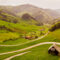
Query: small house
[
  {"x": 54, "y": 50},
  {"x": 27, "y": 37}
]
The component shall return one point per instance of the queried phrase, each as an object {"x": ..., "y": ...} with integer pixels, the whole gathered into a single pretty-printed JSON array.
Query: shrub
[
  {"x": 8, "y": 36},
  {"x": 54, "y": 27}
]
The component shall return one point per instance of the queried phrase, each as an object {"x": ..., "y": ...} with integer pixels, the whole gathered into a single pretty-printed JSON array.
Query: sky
[{"x": 51, "y": 4}]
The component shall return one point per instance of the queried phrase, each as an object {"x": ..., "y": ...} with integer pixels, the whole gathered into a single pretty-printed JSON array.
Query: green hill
[
  {"x": 20, "y": 28},
  {"x": 14, "y": 24},
  {"x": 24, "y": 28},
  {"x": 55, "y": 27}
]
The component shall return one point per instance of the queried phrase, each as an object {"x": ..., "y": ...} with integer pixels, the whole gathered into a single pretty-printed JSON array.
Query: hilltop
[{"x": 40, "y": 14}]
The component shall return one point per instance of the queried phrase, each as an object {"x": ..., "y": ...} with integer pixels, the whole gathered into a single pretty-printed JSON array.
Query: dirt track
[
  {"x": 26, "y": 42},
  {"x": 26, "y": 49}
]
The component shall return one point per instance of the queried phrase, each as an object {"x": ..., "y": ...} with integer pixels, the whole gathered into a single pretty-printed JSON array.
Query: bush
[
  {"x": 8, "y": 36},
  {"x": 54, "y": 27}
]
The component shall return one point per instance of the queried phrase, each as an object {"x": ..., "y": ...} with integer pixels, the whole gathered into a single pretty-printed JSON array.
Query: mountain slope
[
  {"x": 41, "y": 15},
  {"x": 38, "y": 13},
  {"x": 8, "y": 16},
  {"x": 55, "y": 14}
]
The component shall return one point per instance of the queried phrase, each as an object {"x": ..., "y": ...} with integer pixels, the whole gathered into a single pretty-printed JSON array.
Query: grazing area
[
  {"x": 45, "y": 50},
  {"x": 20, "y": 31},
  {"x": 38, "y": 53},
  {"x": 53, "y": 36},
  {"x": 28, "y": 31},
  {"x": 8, "y": 36}
]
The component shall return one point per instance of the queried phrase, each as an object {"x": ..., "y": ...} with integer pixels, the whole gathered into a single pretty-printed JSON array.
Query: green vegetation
[
  {"x": 6, "y": 16},
  {"x": 21, "y": 29},
  {"x": 24, "y": 32},
  {"x": 55, "y": 26},
  {"x": 40, "y": 52},
  {"x": 8, "y": 36},
  {"x": 37, "y": 53},
  {"x": 51, "y": 37}
]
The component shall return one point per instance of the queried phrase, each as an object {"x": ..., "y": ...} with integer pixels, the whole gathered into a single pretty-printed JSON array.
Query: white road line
[{"x": 17, "y": 55}]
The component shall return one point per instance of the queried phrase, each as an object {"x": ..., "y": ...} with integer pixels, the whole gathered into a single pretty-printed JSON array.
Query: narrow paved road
[
  {"x": 26, "y": 42},
  {"x": 26, "y": 49}
]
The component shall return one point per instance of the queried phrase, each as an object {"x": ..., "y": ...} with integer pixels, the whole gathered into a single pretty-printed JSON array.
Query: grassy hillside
[
  {"x": 20, "y": 28},
  {"x": 55, "y": 27},
  {"x": 14, "y": 24},
  {"x": 8, "y": 17},
  {"x": 38, "y": 13},
  {"x": 38, "y": 53},
  {"x": 41, "y": 52},
  {"x": 24, "y": 30},
  {"x": 8, "y": 36},
  {"x": 51, "y": 37}
]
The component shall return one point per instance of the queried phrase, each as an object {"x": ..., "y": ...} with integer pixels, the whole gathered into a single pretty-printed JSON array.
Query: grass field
[
  {"x": 38, "y": 53},
  {"x": 19, "y": 29},
  {"x": 19, "y": 35},
  {"x": 49, "y": 38}
]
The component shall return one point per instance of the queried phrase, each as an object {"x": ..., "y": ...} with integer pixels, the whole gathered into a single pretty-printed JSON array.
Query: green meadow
[
  {"x": 38, "y": 53},
  {"x": 22, "y": 32}
]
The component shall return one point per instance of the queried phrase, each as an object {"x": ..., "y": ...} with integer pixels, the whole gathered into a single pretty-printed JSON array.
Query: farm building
[
  {"x": 27, "y": 37},
  {"x": 30, "y": 37},
  {"x": 54, "y": 50}
]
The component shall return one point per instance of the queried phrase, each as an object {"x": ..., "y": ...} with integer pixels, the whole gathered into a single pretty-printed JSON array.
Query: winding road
[
  {"x": 19, "y": 45},
  {"x": 29, "y": 47},
  {"x": 17, "y": 55},
  {"x": 26, "y": 49},
  {"x": 26, "y": 42},
  {"x": 9, "y": 58}
]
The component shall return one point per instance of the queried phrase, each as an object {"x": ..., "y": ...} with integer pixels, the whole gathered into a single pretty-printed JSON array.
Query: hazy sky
[{"x": 53, "y": 4}]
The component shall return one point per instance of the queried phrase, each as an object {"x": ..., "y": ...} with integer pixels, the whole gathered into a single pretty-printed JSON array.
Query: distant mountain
[
  {"x": 39, "y": 14},
  {"x": 8, "y": 16},
  {"x": 12, "y": 23},
  {"x": 56, "y": 20},
  {"x": 58, "y": 10},
  {"x": 54, "y": 13}
]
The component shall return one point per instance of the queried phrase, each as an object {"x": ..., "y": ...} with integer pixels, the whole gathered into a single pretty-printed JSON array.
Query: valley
[{"x": 27, "y": 32}]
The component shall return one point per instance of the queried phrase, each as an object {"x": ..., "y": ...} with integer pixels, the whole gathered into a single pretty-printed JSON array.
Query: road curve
[
  {"x": 26, "y": 42},
  {"x": 29, "y": 47},
  {"x": 26, "y": 49}
]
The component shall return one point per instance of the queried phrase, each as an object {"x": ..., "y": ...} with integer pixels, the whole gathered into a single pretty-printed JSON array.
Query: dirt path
[
  {"x": 26, "y": 49},
  {"x": 29, "y": 47},
  {"x": 17, "y": 55},
  {"x": 26, "y": 42}
]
